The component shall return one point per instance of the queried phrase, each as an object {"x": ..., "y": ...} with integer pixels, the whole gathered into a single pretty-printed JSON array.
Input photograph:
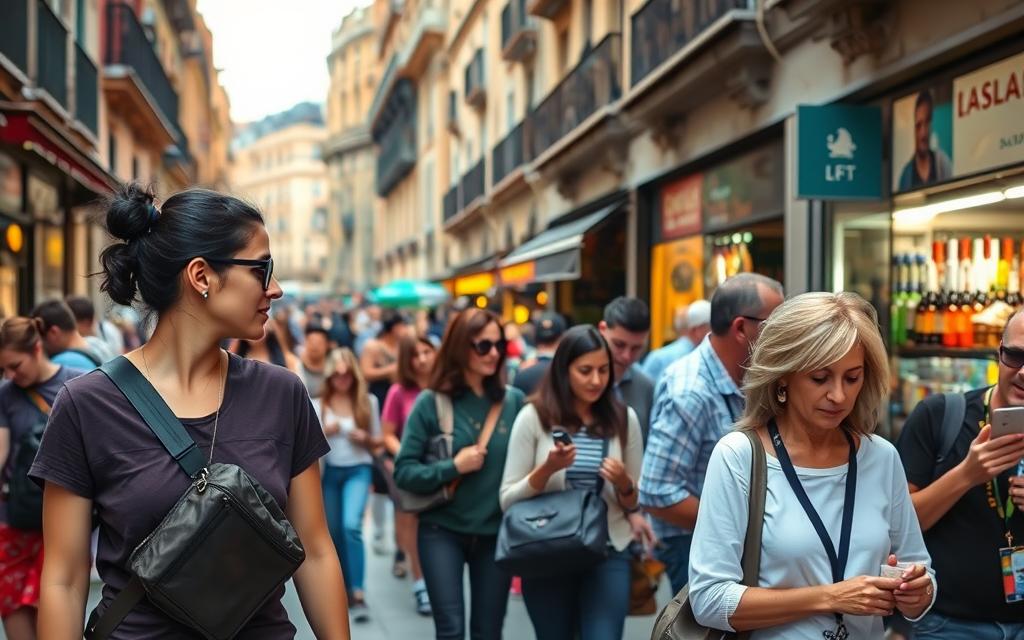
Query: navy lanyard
[{"x": 838, "y": 561}]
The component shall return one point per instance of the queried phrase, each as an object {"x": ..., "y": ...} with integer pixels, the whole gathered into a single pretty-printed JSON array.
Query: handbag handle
[
  {"x": 751, "y": 561},
  {"x": 490, "y": 423},
  {"x": 156, "y": 414}
]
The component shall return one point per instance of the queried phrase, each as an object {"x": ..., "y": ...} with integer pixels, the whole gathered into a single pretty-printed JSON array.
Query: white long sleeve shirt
[{"x": 792, "y": 555}]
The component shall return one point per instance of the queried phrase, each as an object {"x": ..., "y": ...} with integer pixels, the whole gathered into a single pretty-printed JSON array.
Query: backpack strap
[
  {"x": 952, "y": 422},
  {"x": 157, "y": 415},
  {"x": 445, "y": 412},
  {"x": 86, "y": 354},
  {"x": 37, "y": 400}
]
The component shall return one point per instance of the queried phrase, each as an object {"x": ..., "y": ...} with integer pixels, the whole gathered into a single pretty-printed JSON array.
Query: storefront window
[
  {"x": 601, "y": 278},
  {"x": 51, "y": 263},
  {"x": 758, "y": 248},
  {"x": 861, "y": 250}
]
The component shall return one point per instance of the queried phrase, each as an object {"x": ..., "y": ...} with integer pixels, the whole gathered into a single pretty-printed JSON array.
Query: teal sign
[{"x": 839, "y": 152}]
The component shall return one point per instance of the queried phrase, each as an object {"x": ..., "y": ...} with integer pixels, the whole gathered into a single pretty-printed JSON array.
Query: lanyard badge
[{"x": 836, "y": 560}]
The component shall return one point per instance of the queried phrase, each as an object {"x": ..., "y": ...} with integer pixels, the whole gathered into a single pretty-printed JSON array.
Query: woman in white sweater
[
  {"x": 837, "y": 506},
  {"x": 577, "y": 397}
]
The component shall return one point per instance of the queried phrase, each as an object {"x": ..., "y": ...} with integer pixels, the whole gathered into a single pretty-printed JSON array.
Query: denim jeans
[
  {"x": 444, "y": 555},
  {"x": 675, "y": 553},
  {"x": 936, "y": 626},
  {"x": 346, "y": 490},
  {"x": 589, "y": 605}
]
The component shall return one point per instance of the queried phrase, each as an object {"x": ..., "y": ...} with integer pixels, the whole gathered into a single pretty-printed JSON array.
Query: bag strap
[
  {"x": 489, "y": 423},
  {"x": 38, "y": 401},
  {"x": 952, "y": 422},
  {"x": 86, "y": 354},
  {"x": 445, "y": 415},
  {"x": 157, "y": 415},
  {"x": 100, "y": 627},
  {"x": 755, "y": 520}
]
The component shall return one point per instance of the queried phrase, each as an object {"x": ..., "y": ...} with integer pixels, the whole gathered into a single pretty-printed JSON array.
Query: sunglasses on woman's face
[
  {"x": 483, "y": 347},
  {"x": 1012, "y": 357},
  {"x": 264, "y": 269}
]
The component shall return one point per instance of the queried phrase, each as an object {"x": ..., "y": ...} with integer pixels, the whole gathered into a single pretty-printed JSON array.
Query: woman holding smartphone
[
  {"x": 576, "y": 402},
  {"x": 470, "y": 374}
]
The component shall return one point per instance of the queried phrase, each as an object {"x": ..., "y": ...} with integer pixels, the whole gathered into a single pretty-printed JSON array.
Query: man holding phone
[{"x": 965, "y": 502}]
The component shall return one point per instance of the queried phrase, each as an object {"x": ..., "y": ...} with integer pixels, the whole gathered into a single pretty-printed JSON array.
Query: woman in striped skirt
[{"x": 600, "y": 447}]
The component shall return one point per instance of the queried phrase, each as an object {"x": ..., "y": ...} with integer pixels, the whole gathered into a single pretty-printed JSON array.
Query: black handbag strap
[
  {"x": 100, "y": 627},
  {"x": 157, "y": 415},
  {"x": 751, "y": 561},
  {"x": 172, "y": 435}
]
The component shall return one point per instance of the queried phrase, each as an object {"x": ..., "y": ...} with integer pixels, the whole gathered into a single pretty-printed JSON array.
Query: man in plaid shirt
[{"x": 696, "y": 402}]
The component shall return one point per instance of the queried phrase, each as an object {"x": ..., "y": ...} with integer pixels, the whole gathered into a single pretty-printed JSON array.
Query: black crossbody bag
[{"x": 221, "y": 551}]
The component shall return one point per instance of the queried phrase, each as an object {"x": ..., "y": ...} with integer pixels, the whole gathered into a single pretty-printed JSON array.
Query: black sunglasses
[
  {"x": 1011, "y": 357},
  {"x": 266, "y": 266},
  {"x": 754, "y": 319},
  {"x": 483, "y": 347}
]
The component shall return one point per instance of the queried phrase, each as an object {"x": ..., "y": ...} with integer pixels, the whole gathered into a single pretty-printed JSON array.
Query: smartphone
[
  {"x": 1007, "y": 420},
  {"x": 561, "y": 436}
]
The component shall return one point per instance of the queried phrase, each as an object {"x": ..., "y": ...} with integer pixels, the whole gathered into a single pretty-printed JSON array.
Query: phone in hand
[
  {"x": 1007, "y": 420},
  {"x": 561, "y": 436}
]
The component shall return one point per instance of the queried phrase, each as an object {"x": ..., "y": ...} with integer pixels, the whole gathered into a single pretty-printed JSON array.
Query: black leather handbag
[
  {"x": 555, "y": 533},
  {"x": 221, "y": 551}
]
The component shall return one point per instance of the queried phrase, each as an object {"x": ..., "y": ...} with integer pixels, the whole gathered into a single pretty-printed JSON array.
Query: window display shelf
[{"x": 935, "y": 351}]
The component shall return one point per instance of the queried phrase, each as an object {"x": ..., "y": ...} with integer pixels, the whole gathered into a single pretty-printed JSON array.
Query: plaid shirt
[{"x": 696, "y": 403}]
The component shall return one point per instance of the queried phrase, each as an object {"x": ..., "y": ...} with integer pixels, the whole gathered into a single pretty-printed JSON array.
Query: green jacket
[{"x": 475, "y": 509}]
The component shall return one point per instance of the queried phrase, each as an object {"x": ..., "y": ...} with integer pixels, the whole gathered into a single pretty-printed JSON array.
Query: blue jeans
[
  {"x": 589, "y": 605},
  {"x": 346, "y": 490},
  {"x": 675, "y": 553},
  {"x": 443, "y": 557},
  {"x": 936, "y": 626}
]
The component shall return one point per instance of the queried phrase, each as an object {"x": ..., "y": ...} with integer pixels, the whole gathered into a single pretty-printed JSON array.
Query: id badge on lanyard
[{"x": 1011, "y": 557}]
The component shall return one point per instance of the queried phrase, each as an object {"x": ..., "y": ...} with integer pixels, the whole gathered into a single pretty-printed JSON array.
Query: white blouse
[
  {"x": 792, "y": 555},
  {"x": 344, "y": 453}
]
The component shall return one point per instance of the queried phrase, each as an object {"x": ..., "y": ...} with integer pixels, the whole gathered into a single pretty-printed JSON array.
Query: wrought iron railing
[
  {"x": 14, "y": 32},
  {"x": 473, "y": 183},
  {"x": 128, "y": 45},
  {"x": 509, "y": 154},
  {"x": 86, "y": 90},
  {"x": 475, "y": 78},
  {"x": 51, "y": 53}
]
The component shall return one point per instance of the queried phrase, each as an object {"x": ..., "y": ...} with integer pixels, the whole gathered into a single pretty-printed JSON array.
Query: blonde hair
[
  {"x": 809, "y": 332},
  {"x": 358, "y": 393}
]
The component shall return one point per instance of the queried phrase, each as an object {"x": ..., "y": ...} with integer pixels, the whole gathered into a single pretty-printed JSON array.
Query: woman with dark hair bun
[
  {"x": 201, "y": 263},
  {"x": 577, "y": 396},
  {"x": 32, "y": 382},
  {"x": 468, "y": 385}
]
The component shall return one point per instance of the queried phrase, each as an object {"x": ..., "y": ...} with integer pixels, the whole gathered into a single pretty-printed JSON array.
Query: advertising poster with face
[{"x": 922, "y": 138}]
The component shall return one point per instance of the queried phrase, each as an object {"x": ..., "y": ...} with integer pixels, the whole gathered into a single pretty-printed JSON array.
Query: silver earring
[
  {"x": 206, "y": 295},
  {"x": 780, "y": 395}
]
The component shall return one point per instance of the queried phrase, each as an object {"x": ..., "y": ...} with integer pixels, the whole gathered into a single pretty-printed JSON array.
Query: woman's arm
[
  {"x": 389, "y": 418},
  {"x": 64, "y": 585},
  {"x": 368, "y": 363},
  {"x": 318, "y": 581},
  {"x": 5, "y": 445},
  {"x": 916, "y": 594},
  {"x": 520, "y": 479}
]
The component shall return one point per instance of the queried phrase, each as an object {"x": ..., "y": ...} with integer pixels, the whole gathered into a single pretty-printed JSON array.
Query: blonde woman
[
  {"x": 837, "y": 505},
  {"x": 349, "y": 414}
]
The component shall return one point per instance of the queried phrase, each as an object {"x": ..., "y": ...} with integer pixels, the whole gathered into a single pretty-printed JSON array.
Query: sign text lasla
[{"x": 989, "y": 93}]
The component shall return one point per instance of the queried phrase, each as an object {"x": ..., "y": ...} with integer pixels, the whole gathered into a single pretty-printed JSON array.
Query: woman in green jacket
[{"x": 470, "y": 371}]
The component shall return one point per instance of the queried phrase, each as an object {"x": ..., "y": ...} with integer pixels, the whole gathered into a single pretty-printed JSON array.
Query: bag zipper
[{"x": 243, "y": 510}]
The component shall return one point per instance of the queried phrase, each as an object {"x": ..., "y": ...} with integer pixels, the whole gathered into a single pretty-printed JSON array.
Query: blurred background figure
[
  {"x": 691, "y": 323},
  {"x": 269, "y": 348}
]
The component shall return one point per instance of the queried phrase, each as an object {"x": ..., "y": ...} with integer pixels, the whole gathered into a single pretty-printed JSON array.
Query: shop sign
[
  {"x": 839, "y": 152},
  {"x": 676, "y": 280},
  {"x": 747, "y": 186},
  {"x": 681, "y": 207},
  {"x": 988, "y": 124},
  {"x": 10, "y": 184},
  {"x": 518, "y": 274},
  {"x": 473, "y": 284},
  {"x": 922, "y": 137}
]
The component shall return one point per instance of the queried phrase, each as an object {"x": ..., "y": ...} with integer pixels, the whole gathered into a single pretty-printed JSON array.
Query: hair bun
[
  {"x": 120, "y": 264},
  {"x": 129, "y": 210}
]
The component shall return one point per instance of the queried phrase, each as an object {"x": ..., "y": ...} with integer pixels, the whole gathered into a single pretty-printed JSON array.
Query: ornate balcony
[
  {"x": 395, "y": 135},
  {"x": 518, "y": 32},
  {"x": 86, "y": 90},
  {"x": 549, "y": 9},
  {"x": 465, "y": 193},
  {"x": 51, "y": 54},
  {"x": 14, "y": 33},
  {"x": 475, "y": 87},
  {"x": 508, "y": 155}
]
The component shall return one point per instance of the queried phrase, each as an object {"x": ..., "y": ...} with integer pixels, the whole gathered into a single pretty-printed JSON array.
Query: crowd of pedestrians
[{"x": 547, "y": 459}]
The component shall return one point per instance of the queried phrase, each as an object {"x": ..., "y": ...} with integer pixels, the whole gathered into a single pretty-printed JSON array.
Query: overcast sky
[{"x": 273, "y": 54}]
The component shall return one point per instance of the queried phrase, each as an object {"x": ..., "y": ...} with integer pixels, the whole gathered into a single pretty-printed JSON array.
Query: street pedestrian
[
  {"x": 32, "y": 382},
  {"x": 416, "y": 356},
  {"x": 313, "y": 359},
  {"x": 548, "y": 330},
  {"x": 267, "y": 348},
  {"x": 351, "y": 422},
  {"x": 379, "y": 363},
  {"x": 85, "y": 317},
  {"x": 968, "y": 493},
  {"x": 61, "y": 338},
  {"x": 577, "y": 396},
  {"x": 202, "y": 266},
  {"x": 837, "y": 506},
  {"x": 697, "y": 401},
  {"x": 470, "y": 372},
  {"x": 692, "y": 323},
  {"x": 626, "y": 326}
]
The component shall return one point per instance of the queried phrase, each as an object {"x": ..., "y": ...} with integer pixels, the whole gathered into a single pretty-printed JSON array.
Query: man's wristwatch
[{"x": 628, "y": 492}]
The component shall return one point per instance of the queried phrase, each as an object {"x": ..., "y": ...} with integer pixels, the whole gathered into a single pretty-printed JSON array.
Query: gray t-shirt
[
  {"x": 19, "y": 414},
  {"x": 97, "y": 446}
]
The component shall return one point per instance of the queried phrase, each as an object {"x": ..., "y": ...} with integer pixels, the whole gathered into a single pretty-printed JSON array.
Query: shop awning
[
  {"x": 553, "y": 255},
  {"x": 472, "y": 278},
  {"x": 20, "y": 126}
]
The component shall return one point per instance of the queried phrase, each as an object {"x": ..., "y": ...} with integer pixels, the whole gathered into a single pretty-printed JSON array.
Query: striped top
[{"x": 583, "y": 473}]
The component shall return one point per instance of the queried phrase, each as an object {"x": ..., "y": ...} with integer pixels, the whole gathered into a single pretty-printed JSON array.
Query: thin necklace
[{"x": 220, "y": 398}]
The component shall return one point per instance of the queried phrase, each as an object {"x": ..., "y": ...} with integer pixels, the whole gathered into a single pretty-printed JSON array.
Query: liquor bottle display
[{"x": 957, "y": 296}]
